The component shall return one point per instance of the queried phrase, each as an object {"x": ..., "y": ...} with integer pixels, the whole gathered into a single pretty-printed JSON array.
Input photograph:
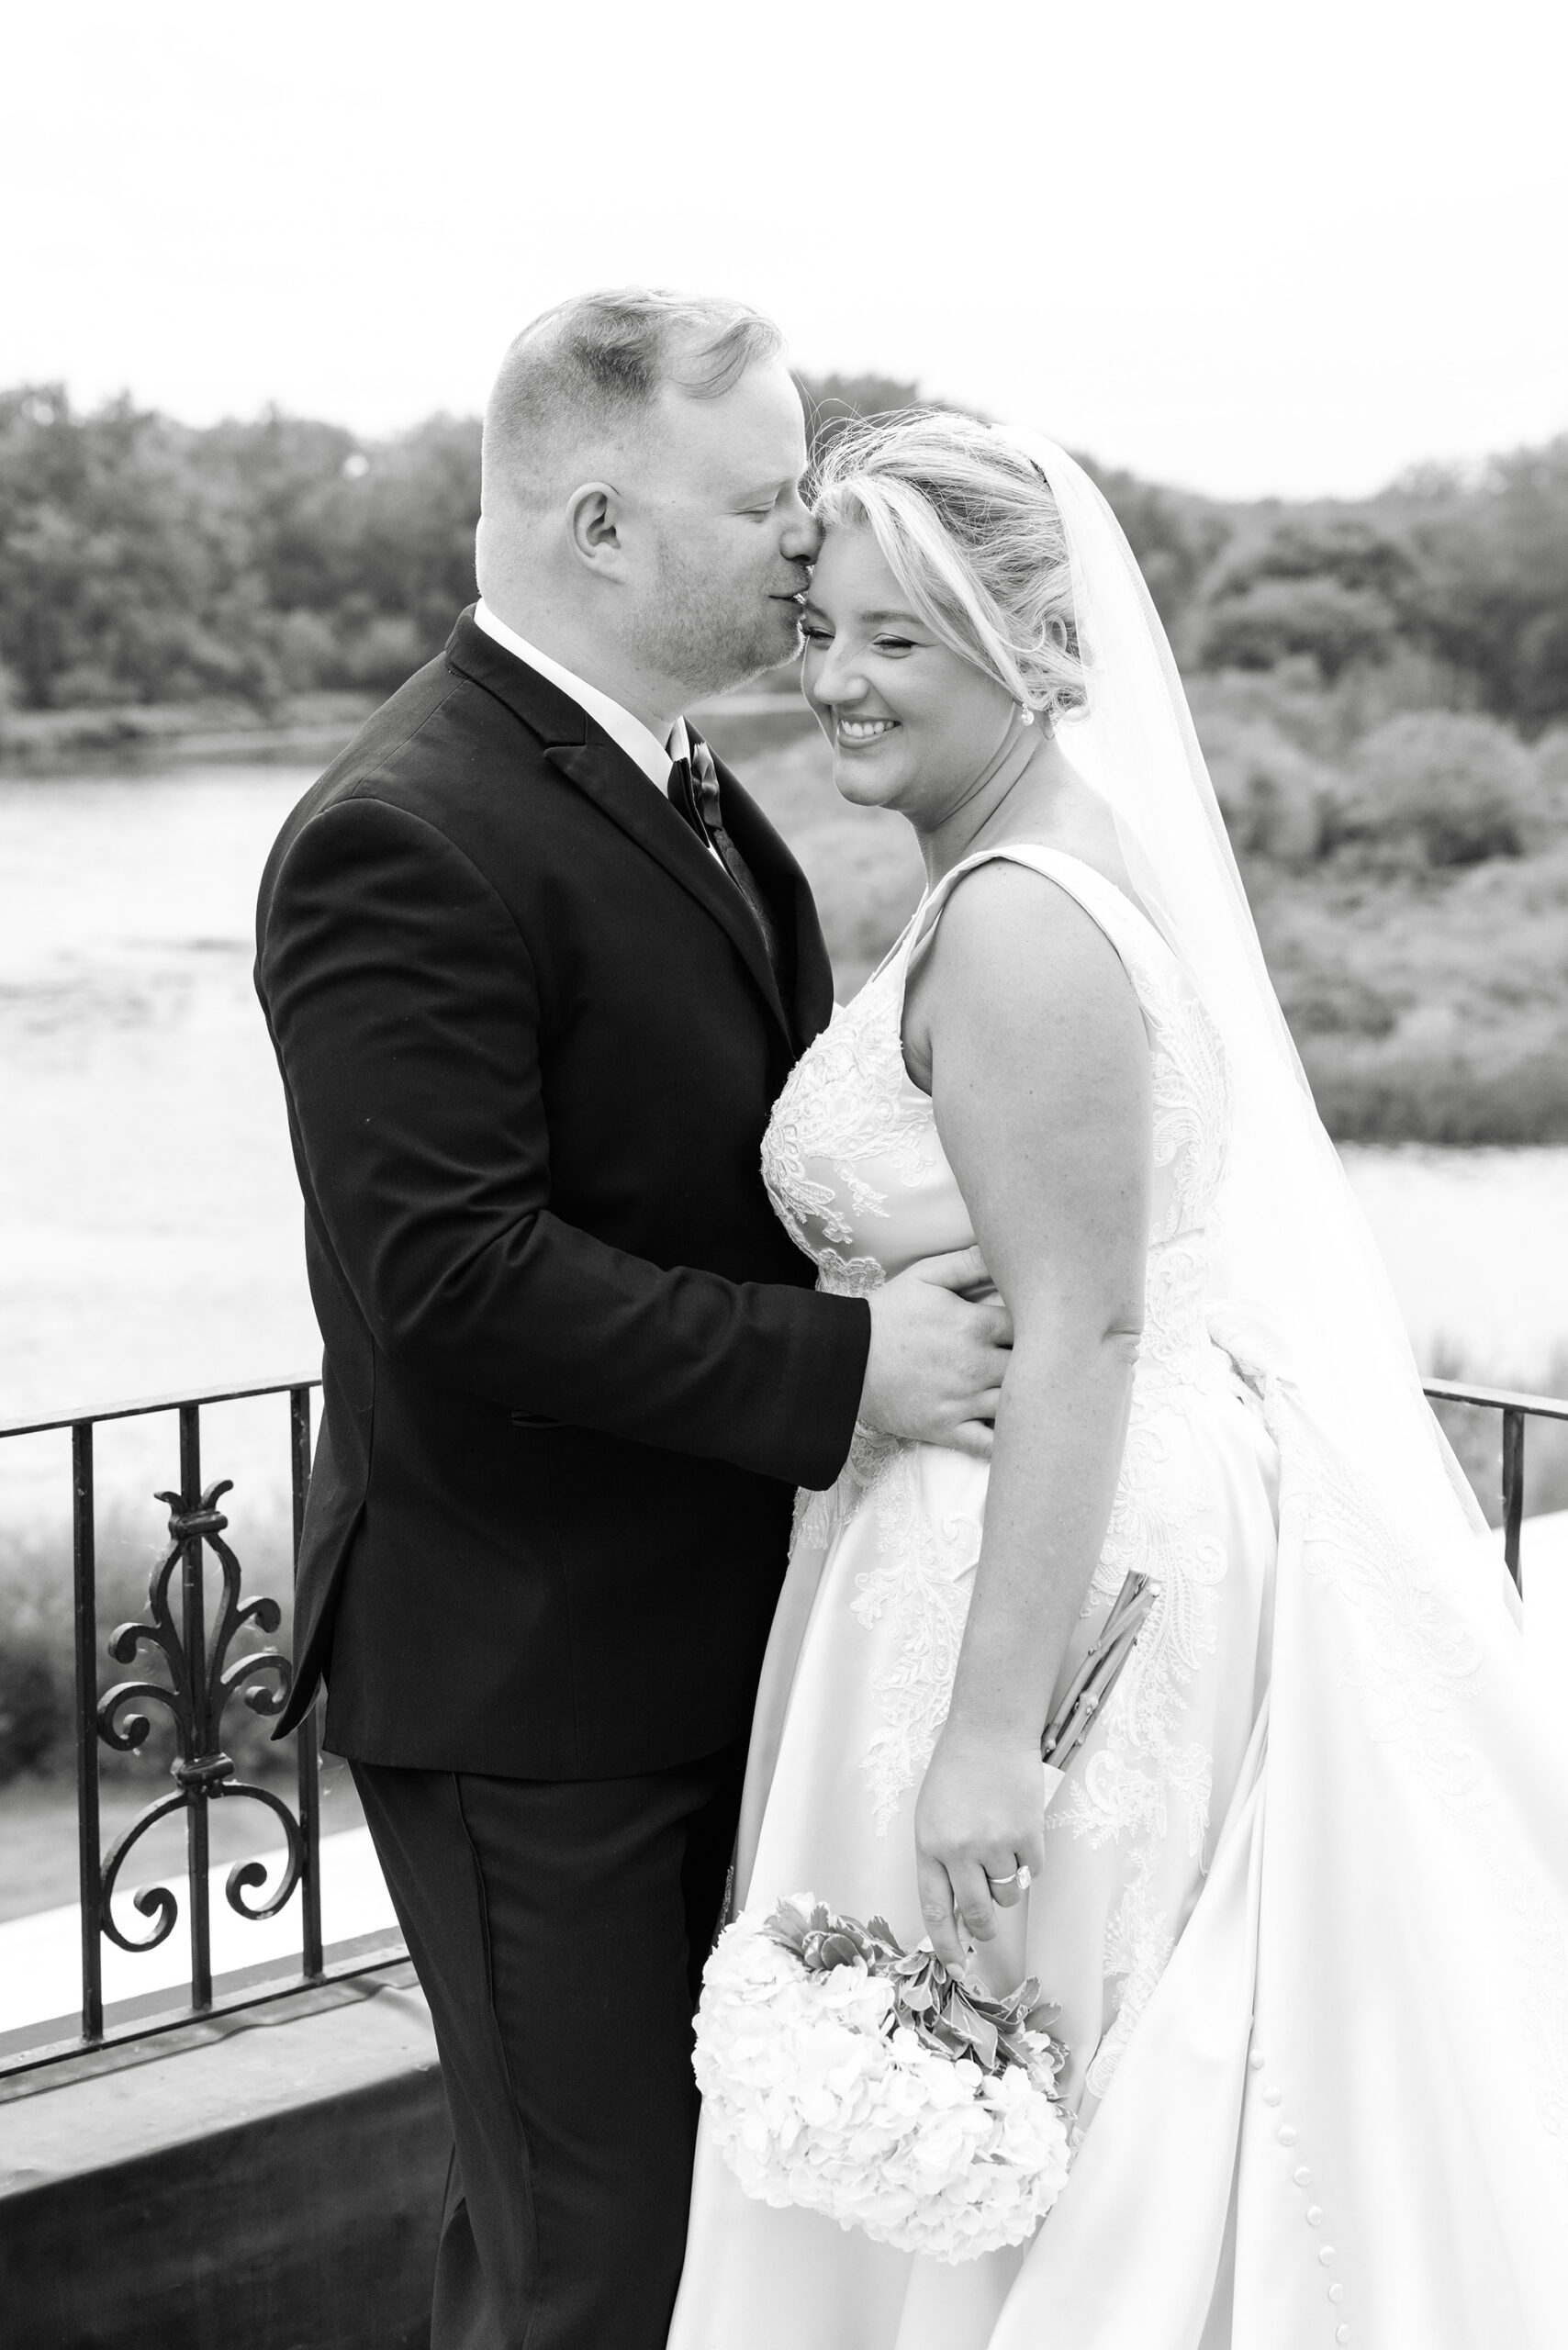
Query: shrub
[
  {"x": 382, "y": 654},
  {"x": 1386, "y": 1088},
  {"x": 1272, "y": 796},
  {"x": 1552, "y": 778},
  {"x": 1331, "y": 1000},
  {"x": 1291, "y": 698},
  {"x": 1493, "y": 562},
  {"x": 1267, "y": 622},
  {"x": 308, "y": 651},
  {"x": 1325, "y": 722},
  {"x": 1441, "y": 789},
  {"x": 1315, "y": 543}
]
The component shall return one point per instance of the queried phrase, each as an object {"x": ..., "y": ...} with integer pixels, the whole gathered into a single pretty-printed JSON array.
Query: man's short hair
[{"x": 595, "y": 363}]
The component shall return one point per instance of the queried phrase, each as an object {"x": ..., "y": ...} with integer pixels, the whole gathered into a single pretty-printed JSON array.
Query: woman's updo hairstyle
[{"x": 966, "y": 525}]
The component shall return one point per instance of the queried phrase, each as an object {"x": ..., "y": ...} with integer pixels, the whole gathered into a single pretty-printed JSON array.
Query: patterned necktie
[{"x": 694, "y": 792}]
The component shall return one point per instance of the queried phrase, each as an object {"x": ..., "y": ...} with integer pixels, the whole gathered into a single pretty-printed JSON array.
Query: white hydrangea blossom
[{"x": 815, "y": 2097}]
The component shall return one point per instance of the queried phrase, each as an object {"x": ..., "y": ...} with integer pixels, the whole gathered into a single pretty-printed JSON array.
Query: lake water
[{"x": 149, "y": 1221}]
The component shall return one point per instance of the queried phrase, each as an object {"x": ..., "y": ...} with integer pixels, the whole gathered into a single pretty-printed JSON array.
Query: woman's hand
[{"x": 980, "y": 1817}]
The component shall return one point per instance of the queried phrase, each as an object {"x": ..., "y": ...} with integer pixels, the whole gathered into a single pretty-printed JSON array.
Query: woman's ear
[{"x": 593, "y": 526}]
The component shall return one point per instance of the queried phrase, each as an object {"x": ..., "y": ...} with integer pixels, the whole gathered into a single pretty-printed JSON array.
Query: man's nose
[{"x": 802, "y": 535}]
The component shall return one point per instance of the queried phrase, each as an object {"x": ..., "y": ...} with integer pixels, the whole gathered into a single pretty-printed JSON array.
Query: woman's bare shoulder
[
  {"x": 1017, "y": 965},
  {"x": 1010, "y": 916}
]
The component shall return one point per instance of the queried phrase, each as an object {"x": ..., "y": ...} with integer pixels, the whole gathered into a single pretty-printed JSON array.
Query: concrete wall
[{"x": 271, "y": 2180}]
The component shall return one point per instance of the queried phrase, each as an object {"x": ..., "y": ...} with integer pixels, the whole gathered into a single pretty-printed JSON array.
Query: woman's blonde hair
[{"x": 966, "y": 525}]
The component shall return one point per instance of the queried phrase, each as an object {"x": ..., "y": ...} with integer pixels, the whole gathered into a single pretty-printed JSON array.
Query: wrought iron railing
[
  {"x": 200, "y": 1679},
  {"x": 196, "y": 1675},
  {"x": 1515, "y": 1410}
]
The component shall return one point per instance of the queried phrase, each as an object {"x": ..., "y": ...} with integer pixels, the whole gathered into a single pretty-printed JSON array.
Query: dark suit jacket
[{"x": 574, "y": 1365}]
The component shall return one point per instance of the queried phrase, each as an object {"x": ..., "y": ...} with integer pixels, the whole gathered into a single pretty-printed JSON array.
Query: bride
[{"x": 1301, "y": 1900}]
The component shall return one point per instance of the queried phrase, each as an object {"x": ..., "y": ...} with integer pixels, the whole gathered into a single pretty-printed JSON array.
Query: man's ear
[{"x": 593, "y": 526}]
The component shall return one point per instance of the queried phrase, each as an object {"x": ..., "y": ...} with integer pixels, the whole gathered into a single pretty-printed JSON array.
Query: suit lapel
[
  {"x": 604, "y": 774},
  {"x": 782, "y": 883},
  {"x": 617, "y": 785}
]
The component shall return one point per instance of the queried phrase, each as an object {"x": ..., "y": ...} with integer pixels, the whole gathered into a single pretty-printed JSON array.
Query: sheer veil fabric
[{"x": 1346, "y": 2107}]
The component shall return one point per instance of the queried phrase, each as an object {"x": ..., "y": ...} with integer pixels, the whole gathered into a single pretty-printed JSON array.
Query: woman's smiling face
[{"x": 912, "y": 724}]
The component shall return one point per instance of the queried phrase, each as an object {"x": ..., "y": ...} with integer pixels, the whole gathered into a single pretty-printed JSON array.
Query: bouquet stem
[{"x": 1098, "y": 1673}]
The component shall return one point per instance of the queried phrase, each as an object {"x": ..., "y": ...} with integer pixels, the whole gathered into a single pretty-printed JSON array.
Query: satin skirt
[{"x": 1143, "y": 1842}]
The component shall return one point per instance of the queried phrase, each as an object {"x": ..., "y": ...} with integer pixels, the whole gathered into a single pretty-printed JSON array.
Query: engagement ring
[{"x": 1020, "y": 1877}]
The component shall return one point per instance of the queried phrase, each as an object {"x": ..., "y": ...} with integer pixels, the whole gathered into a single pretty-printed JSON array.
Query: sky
[{"x": 1247, "y": 246}]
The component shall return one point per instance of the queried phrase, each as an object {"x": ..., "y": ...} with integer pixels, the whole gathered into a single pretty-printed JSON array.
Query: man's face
[{"x": 721, "y": 540}]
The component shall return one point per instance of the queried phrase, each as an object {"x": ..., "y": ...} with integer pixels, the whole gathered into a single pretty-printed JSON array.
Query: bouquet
[
  {"x": 871, "y": 2083},
  {"x": 844, "y": 2073}
]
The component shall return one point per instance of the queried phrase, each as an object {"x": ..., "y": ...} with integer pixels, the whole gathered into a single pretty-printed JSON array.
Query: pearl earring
[{"x": 1025, "y": 715}]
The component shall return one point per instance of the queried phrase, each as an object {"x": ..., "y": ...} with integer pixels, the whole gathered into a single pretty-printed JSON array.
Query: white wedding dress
[{"x": 1311, "y": 1969}]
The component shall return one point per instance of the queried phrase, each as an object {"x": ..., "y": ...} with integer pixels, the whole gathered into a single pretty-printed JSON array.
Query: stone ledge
[{"x": 273, "y": 2180}]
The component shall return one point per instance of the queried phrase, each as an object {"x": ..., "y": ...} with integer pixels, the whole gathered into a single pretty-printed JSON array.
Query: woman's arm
[{"x": 1040, "y": 1081}]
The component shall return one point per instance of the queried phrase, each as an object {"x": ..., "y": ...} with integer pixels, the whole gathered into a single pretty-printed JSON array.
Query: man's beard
[{"x": 697, "y": 629}]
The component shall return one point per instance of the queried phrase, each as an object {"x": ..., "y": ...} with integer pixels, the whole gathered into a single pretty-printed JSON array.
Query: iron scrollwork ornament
[{"x": 201, "y": 1681}]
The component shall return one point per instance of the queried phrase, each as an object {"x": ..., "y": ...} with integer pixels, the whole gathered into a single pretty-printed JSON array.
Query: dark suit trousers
[{"x": 558, "y": 1929}]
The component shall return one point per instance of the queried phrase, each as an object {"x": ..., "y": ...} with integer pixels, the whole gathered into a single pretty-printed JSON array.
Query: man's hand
[{"x": 938, "y": 1357}]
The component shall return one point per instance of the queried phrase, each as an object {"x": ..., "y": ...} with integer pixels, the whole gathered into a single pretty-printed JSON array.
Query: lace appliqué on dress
[
  {"x": 846, "y": 1102},
  {"x": 1138, "y": 1943},
  {"x": 924, "y": 1586},
  {"x": 1191, "y": 1101},
  {"x": 819, "y": 1516}
]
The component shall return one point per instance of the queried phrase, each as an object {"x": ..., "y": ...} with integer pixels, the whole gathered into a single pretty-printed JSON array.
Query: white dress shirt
[{"x": 636, "y": 740}]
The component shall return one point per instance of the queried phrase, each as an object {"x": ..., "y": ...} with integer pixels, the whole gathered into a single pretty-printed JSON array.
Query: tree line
[{"x": 146, "y": 561}]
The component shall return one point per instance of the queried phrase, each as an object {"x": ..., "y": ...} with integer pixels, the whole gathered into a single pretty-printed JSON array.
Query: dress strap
[{"x": 1123, "y": 920}]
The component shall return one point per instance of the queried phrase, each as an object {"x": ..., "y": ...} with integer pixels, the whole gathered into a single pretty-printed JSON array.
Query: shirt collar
[{"x": 637, "y": 741}]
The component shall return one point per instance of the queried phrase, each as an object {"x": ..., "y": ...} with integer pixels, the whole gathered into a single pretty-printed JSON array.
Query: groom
[{"x": 535, "y": 968}]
